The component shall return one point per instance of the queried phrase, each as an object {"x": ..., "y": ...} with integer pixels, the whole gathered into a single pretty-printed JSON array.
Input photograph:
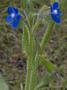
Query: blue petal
[
  {"x": 15, "y": 10},
  {"x": 59, "y": 13},
  {"x": 8, "y": 19},
  {"x": 15, "y": 24},
  {"x": 55, "y": 5},
  {"x": 16, "y": 21},
  {"x": 12, "y": 10},
  {"x": 18, "y": 17},
  {"x": 56, "y": 19}
]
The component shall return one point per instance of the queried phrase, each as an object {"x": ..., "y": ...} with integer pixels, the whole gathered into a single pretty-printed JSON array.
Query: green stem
[
  {"x": 29, "y": 62},
  {"x": 28, "y": 74},
  {"x": 30, "y": 79},
  {"x": 46, "y": 36}
]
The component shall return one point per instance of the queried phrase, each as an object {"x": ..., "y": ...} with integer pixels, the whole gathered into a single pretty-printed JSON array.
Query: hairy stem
[{"x": 46, "y": 36}]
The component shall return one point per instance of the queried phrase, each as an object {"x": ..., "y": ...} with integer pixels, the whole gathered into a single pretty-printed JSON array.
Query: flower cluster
[
  {"x": 13, "y": 17},
  {"x": 55, "y": 12}
]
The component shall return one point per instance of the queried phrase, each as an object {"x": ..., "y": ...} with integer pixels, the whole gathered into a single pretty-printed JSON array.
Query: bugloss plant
[{"x": 34, "y": 49}]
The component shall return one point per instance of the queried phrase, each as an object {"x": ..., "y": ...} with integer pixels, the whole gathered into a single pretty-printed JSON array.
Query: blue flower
[
  {"x": 13, "y": 17},
  {"x": 55, "y": 12}
]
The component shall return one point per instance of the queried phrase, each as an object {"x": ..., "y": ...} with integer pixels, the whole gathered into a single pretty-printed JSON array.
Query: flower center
[
  {"x": 55, "y": 12},
  {"x": 13, "y": 15}
]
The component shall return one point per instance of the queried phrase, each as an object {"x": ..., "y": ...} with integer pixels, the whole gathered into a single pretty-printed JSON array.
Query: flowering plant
[{"x": 33, "y": 48}]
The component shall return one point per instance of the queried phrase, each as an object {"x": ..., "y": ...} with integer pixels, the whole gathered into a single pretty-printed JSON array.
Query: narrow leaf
[
  {"x": 45, "y": 81},
  {"x": 47, "y": 64},
  {"x": 26, "y": 39},
  {"x": 3, "y": 85}
]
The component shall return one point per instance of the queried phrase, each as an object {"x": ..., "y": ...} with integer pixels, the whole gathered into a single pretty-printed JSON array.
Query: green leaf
[
  {"x": 3, "y": 85},
  {"x": 24, "y": 3},
  {"x": 26, "y": 39},
  {"x": 47, "y": 64},
  {"x": 64, "y": 4},
  {"x": 46, "y": 36},
  {"x": 45, "y": 81}
]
